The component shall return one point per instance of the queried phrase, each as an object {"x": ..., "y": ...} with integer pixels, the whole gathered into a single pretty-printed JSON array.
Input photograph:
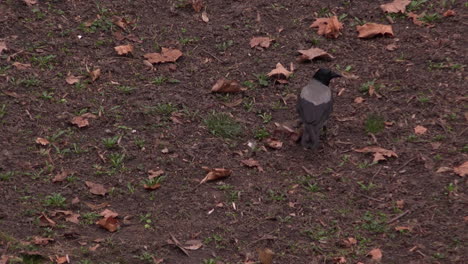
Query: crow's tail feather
[{"x": 310, "y": 137}]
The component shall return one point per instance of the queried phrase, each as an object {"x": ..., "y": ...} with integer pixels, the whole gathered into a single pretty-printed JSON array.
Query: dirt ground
[{"x": 333, "y": 205}]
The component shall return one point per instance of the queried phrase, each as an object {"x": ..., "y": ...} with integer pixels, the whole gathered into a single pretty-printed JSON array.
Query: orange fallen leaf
[
  {"x": 419, "y": 130},
  {"x": 447, "y": 13},
  {"x": 124, "y": 49},
  {"x": 166, "y": 55},
  {"x": 251, "y": 163},
  {"x": 314, "y": 53},
  {"x": 265, "y": 256},
  {"x": 3, "y": 46},
  {"x": 204, "y": 17},
  {"x": 402, "y": 228},
  {"x": 121, "y": 22},
  {"x": 328, "y": 26},
  {"x": 37, "y": 240},
  {"x": 415, "y": 18},
  {"x": 400, "y": 204},
  {"x": 42, "y": 141},
  {"x": 82, "y": 120},
  {"x": 370, "y": 30},
  {"x": 193, "y": 244},
  {"x": 397, "y": 6},
  {"x": 62, "y": 260},
  {"x": 462, "y": 170},
  {"x": 227, "y": 86},
  {"x": 262, "y": 42},
  {"x": 109, "y": 223},
  {"x": 94, "y": 74},
  {"x": 215, "y": 174},
  {"x": 350, "y": 241},
  {"x": 379, "y": 153},
  {"x": 358, "y": 100},
  {"x": 375, "y": 254},
  {"x": 96, "y": 188},
  {"x": 108, "y": 213},
  {"x": 155, "y": 173},
  {"x": 21, "y": 66},
  {"x": 60, "y": 177},
  {"x": 44, "y": 220},
  {"x": 339, "y": 260},
  {"x": 152, "y": 187},
  {"x": 197, "y": 5},
  {"x": 30, "y": 2},
  {"x": 71, "y": 79},
  {"x": 97, "y": 206},
  {"x": 391, "y": 47},
  {"x": 274, "y": 143},
  {"x": 69, "y": 215},
  {"x": 280, "y": 72}
]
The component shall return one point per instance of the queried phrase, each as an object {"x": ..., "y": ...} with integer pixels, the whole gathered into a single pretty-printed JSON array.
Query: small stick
[
  {"x": 368, "y": 197},
  {"x": 398, "y": 217},
  {"x": 212, "y": 55},
  {"x": 406, "y": 163}
]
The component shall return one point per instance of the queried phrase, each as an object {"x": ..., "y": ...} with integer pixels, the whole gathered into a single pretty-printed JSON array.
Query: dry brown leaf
[
  {"x": 350, "y": 241},
  {"x": 60, "y": 177},
  {"x": 193, "y": 244},
  {"x": 233, "y": 103},
  {"x": 124, "y": 49},
  {"x": 397, "y": 6},
  {"x": 415, "y": 18},
  {"x": 280, "y": 71},
  {"x": 62, "y": 260},
  {"x": 251, "y": 163},
  {"x": 375, "y": 254},
  {"x": 391, "y": 47},
  {"x": 109, "y": 223},
  {"x": 197, "y": 5},
  {"x": 30, "y": 2},
  {"x": 419, "y": 130},
  {"x": 73, "y": 218},
  {"x": 284, "y": 130},
  {"x": 447, "y": 13},
  {"x": 108, "y": 213},
  {"x": 37, "y": 240},
  {"x": 328, "y": 26},
  {"x": 274, "y": 143},
  {"x": 152, "y": 187},
  {"x": 443, "y": 169},
  {"x": 42, "y": 141},
  {"x": 96, "y": 188},
  {"x": 21, "y": 66},
  {"x": 155, "y": 173},
  {"x": 72, "y": 79},
  {"x": 94, "y": 248},
  {"x": 44, "y": 220},
  {"x": 80, "y": 121},
  {"x": 95, "y": 74},
  {"x": 339, "y": 260},
  {"x": 462, "y": 170},
  {"x": 75, "y": 200},
  {"x": 379, "y": 153},
  {"x": 358, "y": 100},
  {"x": 314, "y": 53},
  {"x": 204, "y": 17},
  {"x": 370, "y": 30},
  {"x": 97, "y": 206},
  {"x": 400, "y": 204},
  {"x": 166, "y": 55},
  {"x": 227, "y": 86},
  {"x": 265, "y": 256},
  {"x": 466, "y": 116},
  {"x": 403, "y": 228},
  {"x": 215, "y": 174},
  {"x": 263, "y": 42},
  {"x": 3, "y": 46},
  {"x": 121, "y": 22}
]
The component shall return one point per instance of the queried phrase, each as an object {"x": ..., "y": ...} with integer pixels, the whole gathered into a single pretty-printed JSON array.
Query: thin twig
[
  {"x": 406, "y": 163},
  {"x": 212, "y": 55},
  {"x": 368, "y": 197},
  {"x": 398, "y": 217}
]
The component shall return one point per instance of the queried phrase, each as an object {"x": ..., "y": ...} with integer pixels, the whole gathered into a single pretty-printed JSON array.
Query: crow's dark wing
[{"x": 312, "y": 114}]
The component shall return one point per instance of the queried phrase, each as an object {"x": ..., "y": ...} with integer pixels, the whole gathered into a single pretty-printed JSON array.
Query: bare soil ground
[{"x": 323, "y": 206}]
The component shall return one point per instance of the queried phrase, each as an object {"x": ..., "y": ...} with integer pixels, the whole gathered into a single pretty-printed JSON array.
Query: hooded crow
[{"x": 315, "y": 105}]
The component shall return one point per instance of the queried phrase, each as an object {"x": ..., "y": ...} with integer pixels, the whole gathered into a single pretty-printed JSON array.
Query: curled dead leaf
[
  {"x": 370, "y": 30},
  {"x": 21, "y": 66},
  {"x": 121, "y": 22},
  {"x": 251, "y": 163},
  {"x": 280, "y": 73},
  {"x": 109, "y": 223},
  {"x": 262, "y": 42},
  {"x": 415, "y": 18},
  {"x": 37, "y": 240},
  {"x": 379, "y": 153},
  {"x": 375, "y": 254},
  {"x": 71, "y": 79},
  {"x": 108, "y": 213},
  {"x": 62, "y": 260},
  {"x": 328, "y": 26},
  {"x": 44, "y": 220},
  {"x": 192, "y": 244},
  {"x": 155, "y": 173},
  {"x": 124, "y": 49},
  {"x": 265, "y": 256},
  {"x": 400, "y": 204},
  {"x": 314, "y": 53},
  {"x": 197, "y": 5},
  {"x": 391, "y": 47},
  {"x": 274, "y": 143},
  {"x": 402, "y": 228},
  {"x": 94, "y": 74},
  {"x": 462, "y": 170},
  {"x": 215, "y": 174},
  {"x": 96, "y": 188},
  {"x": 419, "y": 130},
  {"x": 449, "y": 13},
  {"x": 397, "y": 6},
  {"x": 204, "y": 17},
  {"x": 82, "y": 120},
  {"x": 227, "y": 86},
  {"x": 42, "y": 141},
  {"x": 59, "y": 177},
  {"x": 166, "y": 55},
  {"x": 30, "y": 2},
  {"x": 358, "y": 100}
]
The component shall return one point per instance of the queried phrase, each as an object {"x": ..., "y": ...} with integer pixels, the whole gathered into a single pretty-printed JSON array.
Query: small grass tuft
[
  {"x": 55, "y": 200},
  {"x": 222, "y": 125},
  {"x": 374, "y": 124}
]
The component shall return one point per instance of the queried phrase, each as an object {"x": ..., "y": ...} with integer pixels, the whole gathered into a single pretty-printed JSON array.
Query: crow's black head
[{"x": 325, "y": 75}]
